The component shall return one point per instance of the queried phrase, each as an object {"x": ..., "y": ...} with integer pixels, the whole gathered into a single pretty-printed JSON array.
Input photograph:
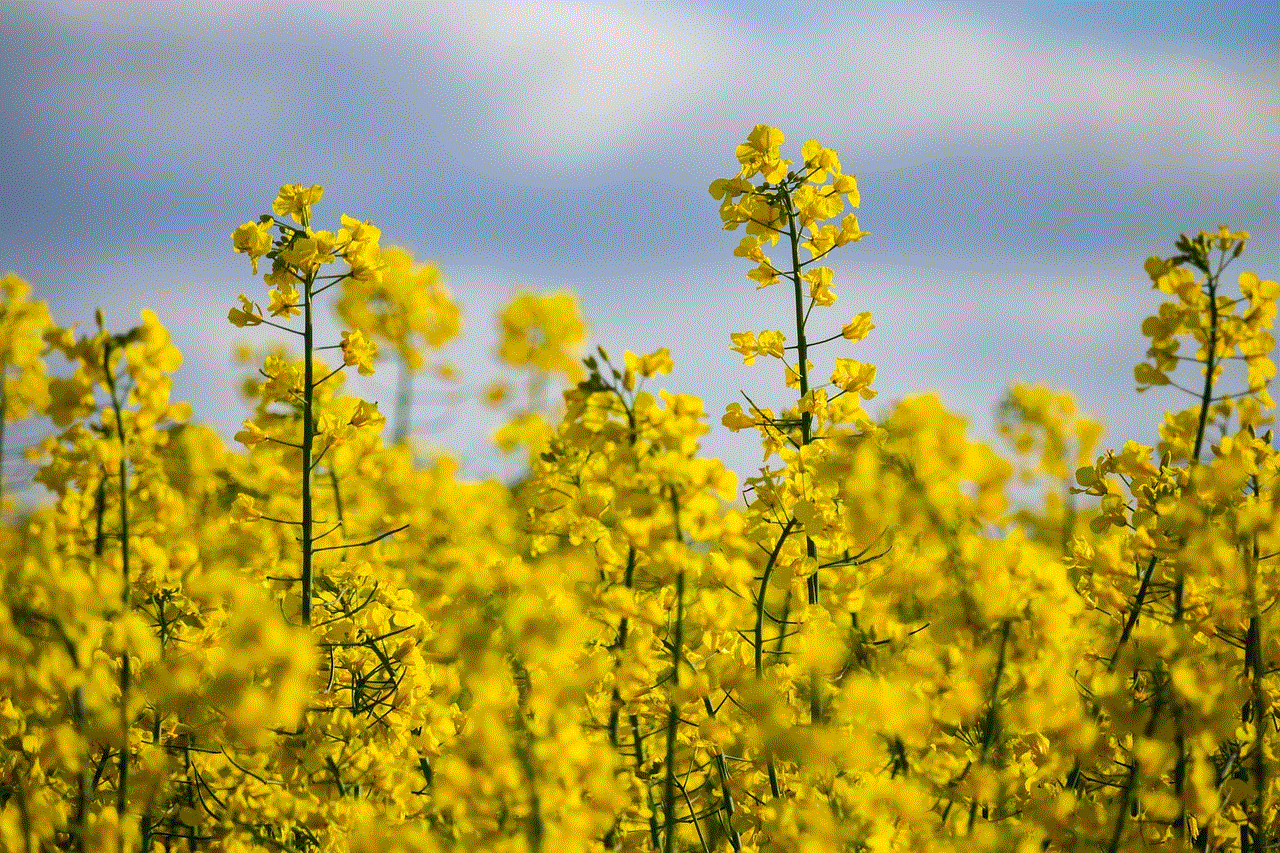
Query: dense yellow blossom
[
  {"x": 359, "y": 352},
  {"x": 892, "y": 636}
]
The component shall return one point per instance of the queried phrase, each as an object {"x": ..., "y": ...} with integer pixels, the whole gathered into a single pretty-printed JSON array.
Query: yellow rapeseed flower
[{"x": 358, "y": 351}]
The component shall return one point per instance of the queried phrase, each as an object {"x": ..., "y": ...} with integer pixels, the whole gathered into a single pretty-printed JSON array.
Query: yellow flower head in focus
[
  {"x": 253, "y": 239},
  {"x": 772, "y": 342},
  {"x": 735, "y": 419},
  {"x": 819, "y": 160},
  {"x": 248, "y": 314},
  {"x": 359, "y": 352},
  {"x": 367, "y": 414},
  {"x": 745, "y": 343},
  {"x": 357, "y": 242},
  {"x": 859, "y": 328},
  {"x": 284, "y": 301},
  {"x": 358, "y": 231},
  {"x": 295, "y": 200},
  {"x": 820, "y": 291},
  {"x": 310, "y": 253},
  {"x": 760, "y": 154},
  {"x": 806, "y": 205},
  {"x": 854, "y": 376}
]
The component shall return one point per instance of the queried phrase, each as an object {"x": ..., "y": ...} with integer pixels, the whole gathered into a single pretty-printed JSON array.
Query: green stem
[
  {"x": 774, "y": 787},
  {"x": 802, "y": 345},
  {"x": 638, "y": 740},
  {"x": 624, "y": 628},
  {"x": 806, "y": 418},
  {"x": 4, "y": 416},
  {"x": 722, "y": 771},
  {"x": 673, "y": 713},
  {"x": 673, "y": 720},
  {"x": 783, "y": 621},
  {"x": 1179, "y": 585},
  {"x": 1206, "y": 397},
  {"x": 122, "y": 791},
  {"x": 1129, "y": 790},
  {"x": 1255, "y": 666},
  {"x": 615, "y": 698},
  {"x": 764, "y": 587},
  {"x": 1133, "y": 614},
  {"x": 308, "y": 441}
]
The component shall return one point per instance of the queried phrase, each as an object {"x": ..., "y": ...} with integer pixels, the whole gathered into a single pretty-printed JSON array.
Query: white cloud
[
  {"x": 581, "y": 83},
  {"x": 565, "y": 87},
  {"x": 918, "y": 80},
  {"x": 574, "y": 84}
]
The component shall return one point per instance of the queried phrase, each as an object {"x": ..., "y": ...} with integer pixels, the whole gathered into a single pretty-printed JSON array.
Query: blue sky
[{"x": 1017, "y": 162}]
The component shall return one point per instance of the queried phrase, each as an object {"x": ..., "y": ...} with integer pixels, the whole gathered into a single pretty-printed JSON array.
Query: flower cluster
[{"x": 894, "y": 637}]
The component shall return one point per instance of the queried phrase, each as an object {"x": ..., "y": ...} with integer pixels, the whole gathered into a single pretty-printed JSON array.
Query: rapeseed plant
[{"x": 315, "y": 641}]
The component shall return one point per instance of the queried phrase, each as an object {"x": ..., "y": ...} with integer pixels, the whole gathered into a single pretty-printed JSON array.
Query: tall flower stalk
[
  {"x": 802, "y": 208},
  {"x": 298, "y": 256}
]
